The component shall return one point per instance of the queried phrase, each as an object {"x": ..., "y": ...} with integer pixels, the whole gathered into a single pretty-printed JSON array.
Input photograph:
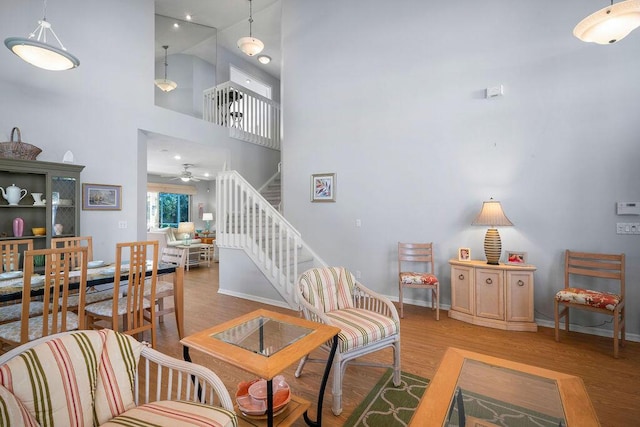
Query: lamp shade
[
  {"x": 42, "y": 55},
  {"x": 166, "y": 85},
  {"x": 492, "y": 215},
  {"x": 207, "y": 216},
  {"x": 609, "y": 24},
  {"x": 186, "y": 228}
]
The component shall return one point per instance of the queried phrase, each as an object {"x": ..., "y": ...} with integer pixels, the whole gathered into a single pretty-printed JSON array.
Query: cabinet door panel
[
  {"x": 489, "y": 294},
  {"x": 519, "y": 296},
  {"x": 462, "y": 289}
]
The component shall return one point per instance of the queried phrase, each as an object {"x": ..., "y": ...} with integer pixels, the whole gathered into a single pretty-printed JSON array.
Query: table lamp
[
  {"x": 186, "y": 228},
  {"x": 207, "y": 217},
  {"x": 492, "y": 215}
]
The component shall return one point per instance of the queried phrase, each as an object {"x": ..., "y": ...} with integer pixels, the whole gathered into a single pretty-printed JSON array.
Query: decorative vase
[
  {"x": 18, "y": 227},
  {"x": 58, "y": 229}
]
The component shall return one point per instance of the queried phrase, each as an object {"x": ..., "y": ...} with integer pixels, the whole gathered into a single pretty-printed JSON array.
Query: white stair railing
[
  {"x": 245, "y": 220},
  {"x": 249, "y": 116}
]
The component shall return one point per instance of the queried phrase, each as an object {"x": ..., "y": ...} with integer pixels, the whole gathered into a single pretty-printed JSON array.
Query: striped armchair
[
  {"x": 369, "y": 322},
  {"x": 105, "y": 378}
]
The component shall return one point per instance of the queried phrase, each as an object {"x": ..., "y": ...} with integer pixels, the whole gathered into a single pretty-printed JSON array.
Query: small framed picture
[
  {"x": 100, "y": 197},
  {"x": 516, "y": 257},
  {"x": 323, "y": 187},
  {"x": 464, "y": 254}
]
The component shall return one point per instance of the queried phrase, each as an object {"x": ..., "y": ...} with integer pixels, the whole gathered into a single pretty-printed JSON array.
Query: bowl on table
[
  {"x": 251, "y": 396},
  {"x": 95, "y": 264},
  {"x": 39, "y": 231}
]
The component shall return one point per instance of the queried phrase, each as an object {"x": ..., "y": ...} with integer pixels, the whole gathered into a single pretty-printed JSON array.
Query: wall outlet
[
  {"x": 122, "y": 224},
  {"x": 358, "y": 274},
  {"x": 628, "y": 228}
]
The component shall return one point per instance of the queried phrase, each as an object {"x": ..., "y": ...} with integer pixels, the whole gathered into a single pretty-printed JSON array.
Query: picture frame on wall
[
  {"x": 516, "y": 257},
  {"x": 464, "y": 254},
  {"x": 323, "y": 187},
  {"x": 101, "y": 197}
]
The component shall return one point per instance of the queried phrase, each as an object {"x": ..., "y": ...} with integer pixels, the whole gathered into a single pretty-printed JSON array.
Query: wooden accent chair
[
  {"x": 10, "y": 253},
  {"x": 56, "y": 283},
  {"x": 606, "y": 274},
  {"x": 137, "y": 311},
  {"x": 415, "y": 270},
  {"x": 164, "y": 288},
  {"x": 368, "y": 321}
]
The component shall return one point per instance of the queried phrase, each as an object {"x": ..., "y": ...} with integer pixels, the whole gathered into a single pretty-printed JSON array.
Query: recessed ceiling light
[
  {"x": 248, "y": 81},
  {"x": 176, "y": 25},
  {"x": 177, "y": 157},
  {"x": 188, "y": 17},
  {"x": 264, "y": 59},
  {"x": 206, "y": 174}
]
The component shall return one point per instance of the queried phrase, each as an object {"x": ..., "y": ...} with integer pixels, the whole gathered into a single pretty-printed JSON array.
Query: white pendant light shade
[
  {"x": 165, "y": 84},
  {"x": 610, "y": 24},
  {"x": 250, "y": 45}
]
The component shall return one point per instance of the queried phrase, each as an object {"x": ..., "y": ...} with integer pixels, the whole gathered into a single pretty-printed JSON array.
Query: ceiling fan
[{"x": 185, "y": 175}]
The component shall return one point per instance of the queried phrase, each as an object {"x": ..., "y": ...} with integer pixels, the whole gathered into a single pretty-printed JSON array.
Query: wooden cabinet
[
  {"x": 59, "y": 184},
  {"x": 497, "y": 296}
]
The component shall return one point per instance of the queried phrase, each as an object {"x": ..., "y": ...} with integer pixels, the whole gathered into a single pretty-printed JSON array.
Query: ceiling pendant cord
[
  {"x": 250, "y": 45},
  {"x": 251, "y": 17},
  {"x": 166, "y": 64}
]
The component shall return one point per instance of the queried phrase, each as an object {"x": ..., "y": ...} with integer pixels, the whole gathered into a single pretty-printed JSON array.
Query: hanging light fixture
[
  {"x": 36, "y": 51},
  {"x": 610, "y": 24},
  {"x": 250, "y": 45},
  {"x": 164, "y": 84}
]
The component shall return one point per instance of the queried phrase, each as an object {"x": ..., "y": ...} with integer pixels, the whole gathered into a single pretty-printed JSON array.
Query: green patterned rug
[{"x": 387, "y": 405}]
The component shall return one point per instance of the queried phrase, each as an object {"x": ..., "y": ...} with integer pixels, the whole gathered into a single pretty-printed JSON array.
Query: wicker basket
[{"x": 18, "y": 149}]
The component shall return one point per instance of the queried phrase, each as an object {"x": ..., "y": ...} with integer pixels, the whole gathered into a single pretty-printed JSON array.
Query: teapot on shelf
[{"x": 13, "y": 194}]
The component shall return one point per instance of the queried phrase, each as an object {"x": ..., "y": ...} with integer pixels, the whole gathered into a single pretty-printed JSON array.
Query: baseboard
[{"x": 249, "y": 297}]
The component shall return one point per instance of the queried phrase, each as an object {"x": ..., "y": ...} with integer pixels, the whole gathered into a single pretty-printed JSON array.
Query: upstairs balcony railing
[{"x": 249, "y": 116}]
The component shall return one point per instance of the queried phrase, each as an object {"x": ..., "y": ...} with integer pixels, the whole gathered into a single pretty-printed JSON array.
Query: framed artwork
[
  {"x": 323, "y": 187},
  {"x": 100, "y": 197},
  {"x": 464, "y": 254},
  {"x": 516, "y": 257}
]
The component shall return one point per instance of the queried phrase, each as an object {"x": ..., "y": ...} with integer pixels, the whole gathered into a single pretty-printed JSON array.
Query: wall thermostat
[{"x": 628, "y": 208}]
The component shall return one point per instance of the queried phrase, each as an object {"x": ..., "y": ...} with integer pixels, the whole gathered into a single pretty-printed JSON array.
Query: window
[{"x": 168, "y": 205}]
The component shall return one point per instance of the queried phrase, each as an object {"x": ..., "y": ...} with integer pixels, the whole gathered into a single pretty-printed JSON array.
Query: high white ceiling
[{"x": 230, "y": 19}]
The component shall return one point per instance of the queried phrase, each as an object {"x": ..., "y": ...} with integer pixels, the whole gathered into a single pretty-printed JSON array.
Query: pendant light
[
  {"x": 164, "y": 84},
  {"x": 36, "y": 51},
  {"x": 610, "y": 24},
  {"x": 250, "y": 45}
]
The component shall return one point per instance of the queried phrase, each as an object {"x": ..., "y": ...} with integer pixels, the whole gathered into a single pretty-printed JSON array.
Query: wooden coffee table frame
[
  {"x": 267, "y": 367},
  {"x": 434, "y": 405}
]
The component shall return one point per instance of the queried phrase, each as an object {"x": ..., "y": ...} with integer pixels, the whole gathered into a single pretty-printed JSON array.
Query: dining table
[{"x": 100, "y": 274}]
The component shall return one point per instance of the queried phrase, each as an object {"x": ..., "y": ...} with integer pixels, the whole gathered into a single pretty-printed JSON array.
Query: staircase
[
  {"x": 248, "y": 221},
  {"x": 272, "y": 191}
]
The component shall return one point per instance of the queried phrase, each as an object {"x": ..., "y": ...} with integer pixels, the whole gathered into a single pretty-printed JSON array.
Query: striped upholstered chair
[
  {"x": 369, "y": 322},
  {"x": 106, "y": 378}
]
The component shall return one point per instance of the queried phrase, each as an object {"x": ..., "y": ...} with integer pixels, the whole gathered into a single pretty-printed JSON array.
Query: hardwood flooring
[{"x": 612, "y": 384}]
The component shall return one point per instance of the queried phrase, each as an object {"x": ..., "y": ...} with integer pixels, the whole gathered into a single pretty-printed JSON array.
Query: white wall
[
  {"x": 390, "y": 96},
  {"x": 101, "y": 110}
]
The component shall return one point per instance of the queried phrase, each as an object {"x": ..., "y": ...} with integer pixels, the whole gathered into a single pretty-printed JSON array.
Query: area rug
[{"x": 388, "y": 405}]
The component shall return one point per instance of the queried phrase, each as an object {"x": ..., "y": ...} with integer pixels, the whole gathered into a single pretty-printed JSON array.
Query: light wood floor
[{"x": 612, "y": 384}]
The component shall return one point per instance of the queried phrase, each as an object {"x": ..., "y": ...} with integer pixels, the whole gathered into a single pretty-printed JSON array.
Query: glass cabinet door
[{"x": 64, "y": 205}]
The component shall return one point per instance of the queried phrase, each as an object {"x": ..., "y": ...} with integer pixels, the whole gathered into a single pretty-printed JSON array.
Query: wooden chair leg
[
  {"x": 437, "y": 291},
  {"x": 556, "y": 311},
  {"x": 401, "y": 308}
]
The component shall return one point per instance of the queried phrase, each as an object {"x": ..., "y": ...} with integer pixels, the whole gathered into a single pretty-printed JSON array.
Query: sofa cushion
[
  {"x": 116, "y": 374},
  {"x": 12, "y": 412},
  {"x": 174, "y": 413},
  {"x": 56, "y": 380},
  {"x": 359, "y": 327}
]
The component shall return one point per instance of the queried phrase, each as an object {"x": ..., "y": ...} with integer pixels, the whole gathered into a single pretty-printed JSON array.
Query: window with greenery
[{"x": 167, "y": 209}]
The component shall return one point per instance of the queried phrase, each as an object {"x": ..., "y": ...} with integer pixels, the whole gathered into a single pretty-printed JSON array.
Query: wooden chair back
[
  {"x": 416, "y": 257},
  {"x": 136, "y": 319},
  {"x": 175, "y": 256},
  {"x": 74, "y": 242},
  {"x": 57, "y": 285},
  {"x": 580, "y": 266},
  {"x": 10, "y": 252}
]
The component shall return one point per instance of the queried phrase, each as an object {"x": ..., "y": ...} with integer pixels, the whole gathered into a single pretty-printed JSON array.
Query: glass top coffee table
[
  {"x": 265, "y": 343},
  {"x": 471, "y": 389}
]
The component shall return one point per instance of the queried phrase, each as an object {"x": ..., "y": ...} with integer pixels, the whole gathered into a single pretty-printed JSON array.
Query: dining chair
[
  {"x": 11, "y": 252},
  {"x": 93, "y": 294},
  {"x": 593, "y": 282},
  {"x": 137, "y": 311},
  {"x": 368, "y": 322},
  {"x": 54, "y": 284},
  {"x": 415, "y": 270},
  {"x": 164, "y": 288}
]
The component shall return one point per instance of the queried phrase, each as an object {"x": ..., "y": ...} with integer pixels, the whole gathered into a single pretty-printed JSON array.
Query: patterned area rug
[{"x": 388, "y": 405}]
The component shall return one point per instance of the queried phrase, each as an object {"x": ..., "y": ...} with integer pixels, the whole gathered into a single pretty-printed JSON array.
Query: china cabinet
[
  {"x": 497, "y": 296},
  {"x": 58, "y": 184}
]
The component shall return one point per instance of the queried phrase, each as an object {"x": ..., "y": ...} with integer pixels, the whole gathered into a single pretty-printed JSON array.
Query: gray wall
[
  {"x": 103, "y": 110},
  {"x": 390, "y": 96}
]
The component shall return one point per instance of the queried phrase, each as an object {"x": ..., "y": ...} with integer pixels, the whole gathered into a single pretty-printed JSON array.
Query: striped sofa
[{"x": 105, "y": 378}]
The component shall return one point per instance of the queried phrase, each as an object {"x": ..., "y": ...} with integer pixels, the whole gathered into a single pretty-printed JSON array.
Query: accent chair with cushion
[
  {"x": 415, "y": 270},
  {"x": 593, "y": 282},
  {"x": 106, "y": 378},
  {"x": 368, "y": 321},
  {"x": 169, "y": 237}
]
